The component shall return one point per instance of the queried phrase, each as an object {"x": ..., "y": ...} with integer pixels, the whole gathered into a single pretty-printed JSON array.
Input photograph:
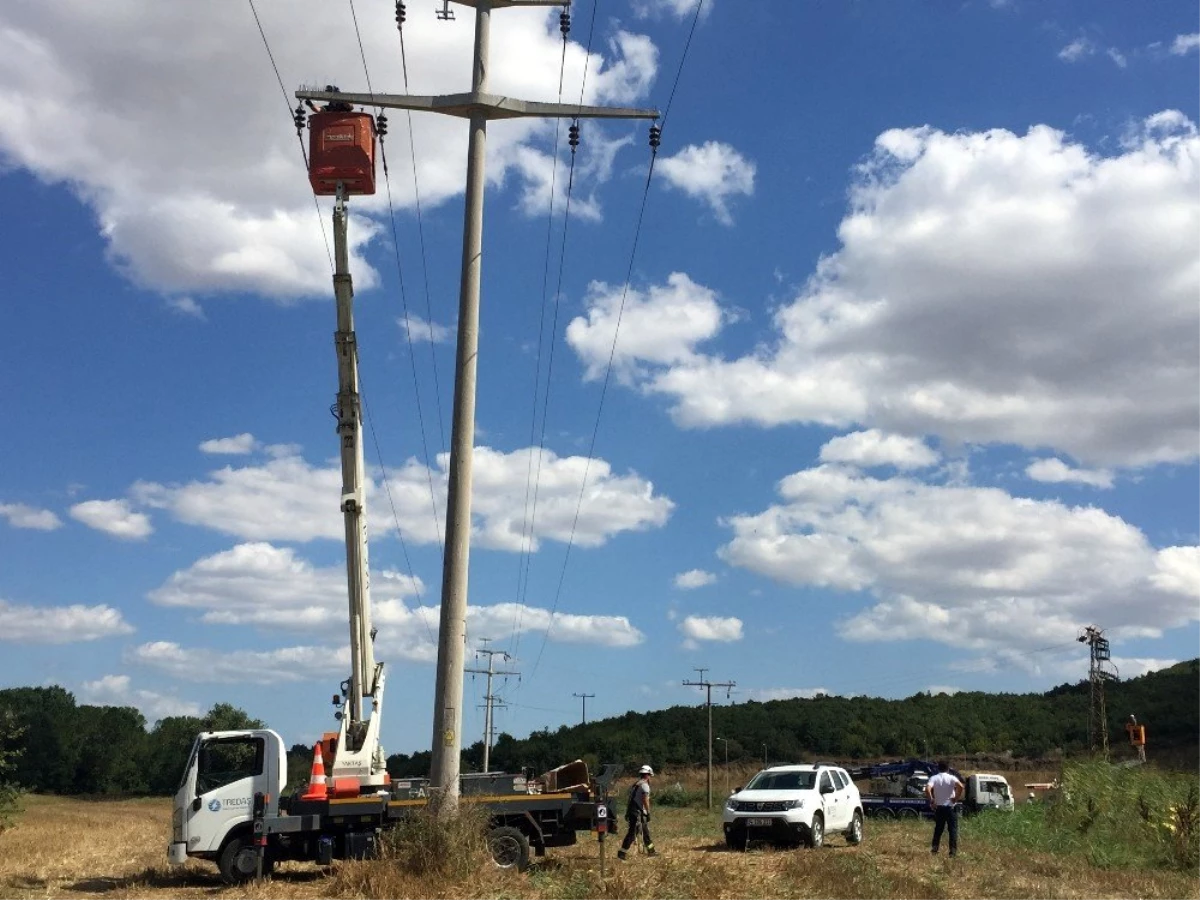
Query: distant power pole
[
  {"x": 489, "y": 699},
  {"x": 708, "y": 686},
  {"x": 585, "y": 700},
  {"x": 1100, "y": 670}
]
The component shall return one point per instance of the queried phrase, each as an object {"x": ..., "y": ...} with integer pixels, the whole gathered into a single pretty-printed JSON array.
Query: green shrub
[{"x": 1116, "y": 816}]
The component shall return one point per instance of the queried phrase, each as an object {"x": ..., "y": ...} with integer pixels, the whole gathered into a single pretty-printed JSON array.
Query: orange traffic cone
[{"x": 317, "y": 789}]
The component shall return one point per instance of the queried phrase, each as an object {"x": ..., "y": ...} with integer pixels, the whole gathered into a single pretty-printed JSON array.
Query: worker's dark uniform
[{"x": 635, "y": 815}]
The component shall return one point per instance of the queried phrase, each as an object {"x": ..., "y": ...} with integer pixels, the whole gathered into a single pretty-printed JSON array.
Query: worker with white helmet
[{"x": 637, "y": 813}]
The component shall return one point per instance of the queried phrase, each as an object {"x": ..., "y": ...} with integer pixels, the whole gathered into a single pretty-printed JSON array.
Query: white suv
[{"x": 794, "y": 805}]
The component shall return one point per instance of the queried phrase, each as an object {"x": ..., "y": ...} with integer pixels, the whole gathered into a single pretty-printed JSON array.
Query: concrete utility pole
[
  {"x": 478, "y": 107},
  {"x": 488, "y": 699},
  {"x": 709, "y": 685},
  {"x": 585, "y": 700}
]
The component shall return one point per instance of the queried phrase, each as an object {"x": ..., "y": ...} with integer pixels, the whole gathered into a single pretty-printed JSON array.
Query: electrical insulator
[
  {"x": 381, "y": 125},
  {"x": 564, "y": 23},
  {"x": 401, "y": 13},
  {"x": 655, "y": 136},
  {"x": 300, "y": 118},
  {"x": 573, "y": 136}
]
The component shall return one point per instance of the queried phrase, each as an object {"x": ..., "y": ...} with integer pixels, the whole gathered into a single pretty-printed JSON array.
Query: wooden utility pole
[
  {"x": 585, "y": 700},
  {"x": 708, "y": 686}
]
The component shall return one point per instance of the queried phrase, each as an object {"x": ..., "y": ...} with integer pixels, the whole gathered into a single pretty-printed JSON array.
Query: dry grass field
[{"x": 116, "y": 849}]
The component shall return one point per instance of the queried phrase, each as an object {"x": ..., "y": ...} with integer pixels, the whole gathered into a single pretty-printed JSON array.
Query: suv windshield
[{"x": 783, "y": 781}]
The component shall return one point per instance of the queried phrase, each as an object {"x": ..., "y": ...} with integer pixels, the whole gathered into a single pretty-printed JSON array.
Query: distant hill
[{"x": 1030, "y": 726}]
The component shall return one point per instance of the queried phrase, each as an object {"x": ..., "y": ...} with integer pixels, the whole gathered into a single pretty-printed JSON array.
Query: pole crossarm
[{"x": 490, "y": 106}]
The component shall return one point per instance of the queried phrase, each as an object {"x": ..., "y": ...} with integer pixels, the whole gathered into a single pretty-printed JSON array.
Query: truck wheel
[
  {"x": 885, "y": 813},
  {"x": 509, "y": 847},
  {"x": 816, "y": 832},
  {"x": 854, "y": 834},
  {"x": 238, "y": 862},
  {"x": 909, "y": 813}
]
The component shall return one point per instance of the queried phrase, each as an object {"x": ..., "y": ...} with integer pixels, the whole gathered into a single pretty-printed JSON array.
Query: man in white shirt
[{"x": 944, "y": 791}]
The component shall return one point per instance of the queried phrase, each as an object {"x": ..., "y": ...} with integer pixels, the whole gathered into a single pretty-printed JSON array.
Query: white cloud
[
  {"x": 288, "y": 499},
  {"x": 227, "y": 666},
  {"x": 260, "y": 584},
  {"x": 274, "y": 589},
  {"x": 1134, "y": 666},
  {"x": 191, "y": 205},
  {"x": 115, "y": 517},
  {"x": 1185, "y": 43},
  {"x": 711, "y": 628},
  {"x": 714, "y": 173},
  {"x": 418, "y": 330},
  {"x": 115, "y": 690},
  {"x": 186, "y": 306},
  {"x": 874, "y": 448},
  {"x": 659, "y": 326},
  {"x": 1054, "y": 470},
  {"x": 59, "y": 624},
  {"x": 1117, "y": 57},
  {"x": 679, "y": 9},
  {"x": 920, "y": 324},
  {"x": 967, "y": 566},
  {"x": 694, "y": 578},
  {"x": 1077, "y": 50},
  {"x": 763, "y": 695},
  {"x": 21, "y": 516},
  {"x": 238, "y": 445},
  {"x": 568, "y": 628}
]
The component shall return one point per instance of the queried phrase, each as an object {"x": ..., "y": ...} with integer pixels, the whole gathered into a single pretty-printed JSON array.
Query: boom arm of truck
[{"x": 358, "y": 753}]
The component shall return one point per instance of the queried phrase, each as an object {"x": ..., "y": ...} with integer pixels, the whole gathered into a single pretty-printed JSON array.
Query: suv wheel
[
  {"x": 816, "y": 831},
  {"x": 854, "y": 834}
]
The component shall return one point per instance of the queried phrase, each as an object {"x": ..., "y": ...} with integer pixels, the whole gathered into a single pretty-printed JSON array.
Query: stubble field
[{"x": 116, "y": 849}]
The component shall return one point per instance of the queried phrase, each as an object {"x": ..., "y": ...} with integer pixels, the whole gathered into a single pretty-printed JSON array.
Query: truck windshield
[
  {"x": 782, "y": 781},
  {"x": 226, "y": 760}
]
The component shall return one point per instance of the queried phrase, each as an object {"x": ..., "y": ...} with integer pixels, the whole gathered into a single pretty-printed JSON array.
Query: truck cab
[
  {"x": 986, "y": 791},
  {"x": 214, "y": 806}
]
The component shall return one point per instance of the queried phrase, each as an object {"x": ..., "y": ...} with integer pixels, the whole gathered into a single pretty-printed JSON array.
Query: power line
[
  {"x": 400, "y": 280},
  {"x": 530, "y": 516},
  {"x": 288, "y": 103},
  {"x": 655, "y": 136}
]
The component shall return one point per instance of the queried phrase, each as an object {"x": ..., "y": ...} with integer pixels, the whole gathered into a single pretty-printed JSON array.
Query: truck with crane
[
  {"x": 232, "y": 806},
  {"x": 897, "y": 789}
]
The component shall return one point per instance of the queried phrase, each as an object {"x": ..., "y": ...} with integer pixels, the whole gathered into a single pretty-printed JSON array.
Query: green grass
[{"x": 1117, "y": 817}]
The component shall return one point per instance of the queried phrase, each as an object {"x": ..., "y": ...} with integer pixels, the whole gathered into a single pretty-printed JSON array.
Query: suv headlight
[
  {"x": 731, "y": 802},
  {"x": 794, "y": 804}
]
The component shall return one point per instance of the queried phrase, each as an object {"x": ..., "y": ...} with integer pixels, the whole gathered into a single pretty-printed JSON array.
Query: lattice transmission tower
[{"x": 1100, "y": 670}]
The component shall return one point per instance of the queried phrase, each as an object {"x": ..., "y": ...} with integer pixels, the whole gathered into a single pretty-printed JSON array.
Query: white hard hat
[{"x": 645, "y": 770}]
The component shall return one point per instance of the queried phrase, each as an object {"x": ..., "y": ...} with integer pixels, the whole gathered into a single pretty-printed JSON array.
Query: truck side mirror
[{"x": 196, "y": 805}]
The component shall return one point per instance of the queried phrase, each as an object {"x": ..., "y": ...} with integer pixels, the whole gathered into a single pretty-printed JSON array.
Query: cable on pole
[
  {"x": 412, "y": 149},
  {"x": 295, "y": 119},
  {"x": 532, "y": 475},
  {"x": 400, "y": 281}
]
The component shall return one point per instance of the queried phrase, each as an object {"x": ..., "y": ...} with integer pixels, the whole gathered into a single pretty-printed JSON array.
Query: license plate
[{"x": 760, "y": 823}]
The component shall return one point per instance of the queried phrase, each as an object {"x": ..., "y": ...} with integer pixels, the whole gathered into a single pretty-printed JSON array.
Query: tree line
[{"x": 51, "y": 744}]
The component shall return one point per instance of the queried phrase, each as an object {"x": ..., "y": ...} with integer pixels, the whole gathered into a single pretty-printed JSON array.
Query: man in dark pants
[
  {"x": 944, "y": 791},
  {"x": 637, "y": 814}
]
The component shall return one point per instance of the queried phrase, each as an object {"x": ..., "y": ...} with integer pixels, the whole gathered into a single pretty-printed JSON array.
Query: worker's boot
[{"x": 621, "y": 854}]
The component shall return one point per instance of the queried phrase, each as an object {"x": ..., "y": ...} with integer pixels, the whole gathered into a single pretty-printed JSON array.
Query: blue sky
[{"x": 904, "y": 392}]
